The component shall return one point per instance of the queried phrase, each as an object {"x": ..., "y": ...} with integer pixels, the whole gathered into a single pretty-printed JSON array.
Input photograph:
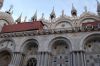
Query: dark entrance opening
[
  {"x": 5, "y": 58},
  {"x": 32, "y": 62}
]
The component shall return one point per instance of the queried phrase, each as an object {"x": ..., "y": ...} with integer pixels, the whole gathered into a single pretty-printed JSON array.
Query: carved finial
[
  {"x": 53, "y": 15},
  {"x": 12, "y": 12},
  {"x": 19, "y": 18},
  {"x": 98, "y": 2},
  {"x": 53, "y": 11},
  {"x": 11, "y": 7},
  {"x": 85, "y": 8},
  {"x": 42, "y": 16},
  {"x": 34, "y": 18},
  {"x": 98, "y": 7},
  {"x": 73, "y": 8},
  {"x": 63, "y": 13},
  {"x": 25, "y": 19},
  {"x": 73, "y": 11}
]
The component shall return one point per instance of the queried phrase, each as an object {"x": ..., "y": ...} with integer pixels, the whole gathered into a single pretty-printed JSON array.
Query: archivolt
[
  {"x": 62, "y": 39},
  {"x": 89, "y": 37},
  {"x": 26, "y": 42},
  {"x": 7, "y": 48}
]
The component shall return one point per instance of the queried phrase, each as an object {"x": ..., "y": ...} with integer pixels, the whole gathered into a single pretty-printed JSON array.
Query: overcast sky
[{"x": 28, "y": 7}]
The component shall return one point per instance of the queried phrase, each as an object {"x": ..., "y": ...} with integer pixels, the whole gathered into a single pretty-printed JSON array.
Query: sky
[{"x": 29, "y": 7}]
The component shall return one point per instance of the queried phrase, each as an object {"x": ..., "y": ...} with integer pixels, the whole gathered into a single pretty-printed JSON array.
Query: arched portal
[
  {"x": 5, "y": 58},
  {"x": 60, "y": 47},
  {"x": 32, "y": 62},
  {"x": 30, "y": 50},
  {"x": 60, "y": 52},
  {"x": 30, "y": 47},
  {"x": 92, "y": 49}
]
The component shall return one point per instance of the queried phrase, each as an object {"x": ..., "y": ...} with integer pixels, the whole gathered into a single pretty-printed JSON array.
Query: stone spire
[
  {"x": 19, "y": 18},
  {"x": 1, "y": 3},
  {"x": 73, "y": 11},
  {"x": 25, "y": 19},
  {"x": 42, "y": 17},
  {"x": 53, "y": 15},
  {"x": 63, "y": 13},
  {"x": 85, "y": 9},
  {"x": 98, "y": 7},
  {"x": 34, "y": 18}
]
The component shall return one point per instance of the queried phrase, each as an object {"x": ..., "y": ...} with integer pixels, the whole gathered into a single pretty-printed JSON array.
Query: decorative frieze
[{"x": 43, "y": 32}]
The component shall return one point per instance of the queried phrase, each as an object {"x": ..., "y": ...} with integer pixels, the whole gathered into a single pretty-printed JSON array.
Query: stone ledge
[{"x": 46, "y": 32}]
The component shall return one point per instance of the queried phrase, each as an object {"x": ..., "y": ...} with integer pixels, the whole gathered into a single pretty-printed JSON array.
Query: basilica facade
[{"x": 60, "y": 41}]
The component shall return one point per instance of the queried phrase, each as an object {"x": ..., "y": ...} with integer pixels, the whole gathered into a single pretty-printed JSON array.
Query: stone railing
[{"x": 47, "y": 31}]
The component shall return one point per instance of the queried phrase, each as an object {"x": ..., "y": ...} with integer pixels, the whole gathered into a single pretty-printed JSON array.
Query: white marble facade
[{"x": 58, "y": 44}]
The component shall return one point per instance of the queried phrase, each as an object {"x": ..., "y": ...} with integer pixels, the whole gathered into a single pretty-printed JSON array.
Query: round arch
[
  {"x": 7, "y": 39},
  {"x": 88, "y": 37},
  {"x": 91, "y": 46},
  {"x": 5, "y": 57},
  {"x": 5, "y": 20},
  {"x": 64, "y": 24},
  {"x": 25, "y": 44},
  {"x": 63, "y": 19},
  {"x": 67, "y": 41},
  {"x": 7, "y": 17},
  {"x": 86, "y": 18},
  {"x": 11, "y": 45}
]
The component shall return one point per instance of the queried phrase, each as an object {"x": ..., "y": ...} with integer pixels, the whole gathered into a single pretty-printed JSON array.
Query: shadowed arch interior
[
  {"x": 63, "y": 24},
  {"x": 5, "y": 58},
  {"x": 60, "y": 48},
  {"x": 32, "y": 62},
  {"x": 60, "y": 41},
  {"x": 87, "y": 19},
  {"x": 31, "y": 46},
  {"x": 92, "y": 43}
]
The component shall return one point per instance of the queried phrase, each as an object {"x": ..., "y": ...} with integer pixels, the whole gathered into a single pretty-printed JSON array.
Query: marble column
[
  {"x": 43, "y": 59},
  {"x": 16, "y": 59},
  {"x": 38, "y": 58},
  {"x": 77, "y": 58}
]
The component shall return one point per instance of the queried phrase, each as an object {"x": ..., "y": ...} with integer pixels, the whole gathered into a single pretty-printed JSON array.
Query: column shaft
[
  {"x": 39, "y": 59},
  {"x": 77, "y": 58},
  {"x": 43, "y": 59},
  {"x": 16, "y": 59}
]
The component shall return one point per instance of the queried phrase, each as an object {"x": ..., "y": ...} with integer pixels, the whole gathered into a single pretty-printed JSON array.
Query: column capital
[
  {"x": 18, "y": 53},
  {"x": 44, "y": 52},
  {"x": 75, "y": 51}
]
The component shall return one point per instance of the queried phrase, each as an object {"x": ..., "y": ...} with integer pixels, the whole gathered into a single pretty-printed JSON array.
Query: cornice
[{"x": 45, "y": 32}]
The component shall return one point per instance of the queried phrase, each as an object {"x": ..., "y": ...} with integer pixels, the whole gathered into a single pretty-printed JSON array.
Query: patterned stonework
[{"x": 63, "y": 41}]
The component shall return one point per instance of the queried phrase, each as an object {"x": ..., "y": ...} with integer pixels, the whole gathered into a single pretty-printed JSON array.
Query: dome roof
[{"x": 7, "y": 17}]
